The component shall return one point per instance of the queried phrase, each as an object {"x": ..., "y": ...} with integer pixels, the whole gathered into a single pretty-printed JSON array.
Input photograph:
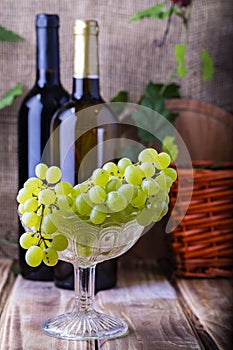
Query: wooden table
[{"x": 186, "y": 314}]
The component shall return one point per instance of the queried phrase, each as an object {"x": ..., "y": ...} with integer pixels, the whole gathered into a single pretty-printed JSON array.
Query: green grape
[
  {"x": 171, "y": 173},
  {"x": 134, "y": 174},
  {"x": 97, "y": 194},
  {"x": 111, "y": 168},
  {"x": 113, "y": 184},
  {"x": 161, "y": 180},
  {"x": 83, "y": 204},
  {"x": 145, "y": 217},
  {"x": 41, "y": 170},
  {"x": 50, "y": 256},
  {"x": 160, "y": 196},
  {"x": 30, "y": 219},
  {"x": 64, "y": 202},
  {"x": 123, "y": 163},
  {"x": 31, "y": 205},
  {"x": 140, "y": 199},
  {"x": 32, "y": 184},
  {"x": 100, "y": 177},
  {"x": 45, "y": 240},
  {"x": 53, "y": 174},
  {"x": 150, "y": 187},
  {"x": 164, "y": 209},
  {"x": 147, "y": 155},
  {"x": 48, "y": 224},
  {"x": 170, "y": 147},
  {"x": 34, "y": 256},
  {"x": 162, "y": 161},
  {"x": 63, "y": 188},
  {"x": 102, "y": 207},
  {"x": 169, "y": 182},
  {"x": 118, "y": 217},
  {"x": 78, "y": 189},
  {"x": 59, "y": 242},
  {"x": 148, "y": 169},
  {"x": 159, "y": 208},
  {"x": 23, "y": 195},
  {"x": 21, "y": 209},
  {"x": 116, "y": 201},
  {"x": 128, "y": 191},
  {"x": 85, "y": 244},
  {"x": 27, "y": 240},
  {"x": 47, "y": 197},
  {"x": 97, "y": 217}
]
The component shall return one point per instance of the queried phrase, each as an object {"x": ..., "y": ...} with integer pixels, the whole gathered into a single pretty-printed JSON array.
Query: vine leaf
[
  {"x": 152, "y": 12},
  {"x": 180, "y": 51},
  {"x": 8, "y": 98},
  {"x": 121, "y": 96},
  {"x": 207, "y": 66},
  {"x": 8, "y": 35},
  {"x": 154, "y": 97}
]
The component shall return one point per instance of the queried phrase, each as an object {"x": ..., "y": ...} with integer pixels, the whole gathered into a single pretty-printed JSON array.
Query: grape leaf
[
  {"x": 152, "y": 12},
  {"x": 8, "y": 98},
  {"x": 180, "y": 51},
  {"x": 154, "y": 98},
  {"x": 207, "y": 66},
  {"x": 121, "y": 96},
  {"x": 8, "y": 35},
  {"x": 169, "y": 146}
]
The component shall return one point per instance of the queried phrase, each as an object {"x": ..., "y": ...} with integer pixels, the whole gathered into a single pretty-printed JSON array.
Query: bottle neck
[
  {"x": 86, "y": 66},
  {"x": 47, "y": 54},
  {"x": 88, "y": 87}
]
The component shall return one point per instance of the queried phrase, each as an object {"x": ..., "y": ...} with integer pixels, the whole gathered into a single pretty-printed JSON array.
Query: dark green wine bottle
[{"x": 35, "y": 115}]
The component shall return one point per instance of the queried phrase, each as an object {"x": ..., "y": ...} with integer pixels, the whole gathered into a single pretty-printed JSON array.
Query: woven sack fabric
[{"x": 128, "y": 61}]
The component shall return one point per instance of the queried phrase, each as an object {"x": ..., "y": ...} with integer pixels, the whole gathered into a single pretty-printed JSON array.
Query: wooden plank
[
  {"x": 210, "y": 306},
  {"x": 6, "y": 281},
  {"x": 143, "y": 298},
  {"x": 29, "y": 304},
  {"x": 148, "y": 303}
]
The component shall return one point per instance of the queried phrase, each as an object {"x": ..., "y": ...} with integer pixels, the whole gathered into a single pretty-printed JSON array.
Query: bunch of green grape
[
  {"x": 125, "y": 191},
  {"x": 37, "y": 200},
  {"x": 115, "y": 193}
]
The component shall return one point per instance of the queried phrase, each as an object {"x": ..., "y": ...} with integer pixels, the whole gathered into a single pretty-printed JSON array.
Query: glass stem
[{"x": 84, "y": 279}]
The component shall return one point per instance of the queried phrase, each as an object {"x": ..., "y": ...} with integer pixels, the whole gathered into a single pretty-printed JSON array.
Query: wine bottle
[
  {"x": 35, "y": 115},
  {"x": 78, "y": 137}
]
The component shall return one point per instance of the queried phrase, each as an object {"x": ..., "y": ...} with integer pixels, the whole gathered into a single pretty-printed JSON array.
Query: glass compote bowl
[{"x": 88, "y": 245}]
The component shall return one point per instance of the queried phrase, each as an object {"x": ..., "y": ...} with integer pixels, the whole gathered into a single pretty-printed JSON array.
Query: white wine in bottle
[{"x": 85, "y": 133}]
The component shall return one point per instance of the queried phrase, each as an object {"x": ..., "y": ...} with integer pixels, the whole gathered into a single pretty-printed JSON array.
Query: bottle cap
[
  {"x": 85, "y": 27},
  {"x": 44, "y": 20}
]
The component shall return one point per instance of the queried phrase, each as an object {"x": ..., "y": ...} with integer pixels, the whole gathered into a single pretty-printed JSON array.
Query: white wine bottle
[{"x": 80, "y": 143}]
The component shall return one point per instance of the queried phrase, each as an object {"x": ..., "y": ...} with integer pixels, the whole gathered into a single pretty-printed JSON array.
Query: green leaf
[
  {"x": 207, "y": 66},
  {"x": 180, "y": 51},
  {"x": 155, "y": 95},
  {"x": 152, "y": 12},
  {"x": 8, "y": 98},
  {"x": 168, "y": 91},
  {"x": 121, "y": 96},
  {"x": 154, "y": 98},
  {"x": 170, "y": 147},
  {"x": 8, "y": 35}
]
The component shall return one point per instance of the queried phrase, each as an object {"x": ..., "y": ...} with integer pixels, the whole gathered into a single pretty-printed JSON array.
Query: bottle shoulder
[
  {"x": 46, "y": 95},
  {"x": 75, "y": 105}
]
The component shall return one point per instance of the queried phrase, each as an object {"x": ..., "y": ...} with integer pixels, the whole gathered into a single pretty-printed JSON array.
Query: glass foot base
[{"x": 93, "y": 325}]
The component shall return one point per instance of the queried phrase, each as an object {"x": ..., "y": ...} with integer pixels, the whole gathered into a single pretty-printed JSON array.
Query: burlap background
[{"x": 128, "y": 60}]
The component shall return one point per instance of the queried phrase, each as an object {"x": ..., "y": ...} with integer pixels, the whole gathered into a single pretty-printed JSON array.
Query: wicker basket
[{"x": 203, "y": 241}]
